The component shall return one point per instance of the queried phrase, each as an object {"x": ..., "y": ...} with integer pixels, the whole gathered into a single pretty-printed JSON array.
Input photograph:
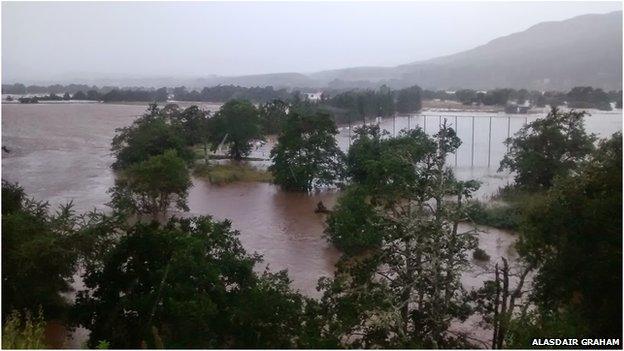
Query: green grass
[
  {"x": 232, "y": 172},
  {"x": 505, "y": 211}
]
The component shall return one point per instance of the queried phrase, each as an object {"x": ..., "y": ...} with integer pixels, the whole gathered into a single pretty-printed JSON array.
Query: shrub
[{"x": 480, "y": 255}]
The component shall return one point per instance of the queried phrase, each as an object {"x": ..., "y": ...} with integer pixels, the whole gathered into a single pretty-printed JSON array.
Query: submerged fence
[{"x": 482, "y": 136}]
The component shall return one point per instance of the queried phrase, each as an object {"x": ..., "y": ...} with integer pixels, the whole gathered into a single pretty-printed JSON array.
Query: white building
[{"x": 313, "y": 96}]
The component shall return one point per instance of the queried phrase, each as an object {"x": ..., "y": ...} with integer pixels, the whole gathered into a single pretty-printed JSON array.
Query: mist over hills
[
  {"x": 581, "y": 51},
  {"x": 584, "y": 50}
]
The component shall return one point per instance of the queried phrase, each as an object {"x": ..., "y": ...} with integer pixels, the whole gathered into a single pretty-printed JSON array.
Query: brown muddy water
[{"x": 60, "y": 153}]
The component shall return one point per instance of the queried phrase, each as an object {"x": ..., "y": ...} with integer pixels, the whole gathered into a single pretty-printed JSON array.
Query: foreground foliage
[
  {"x": 405, "y": 290},
  {"x": 23, "y": 331},
  {"x": 574, "y": 237},
  {"x": 38, "y": 256},
  {"x": 191, "y": 283}
]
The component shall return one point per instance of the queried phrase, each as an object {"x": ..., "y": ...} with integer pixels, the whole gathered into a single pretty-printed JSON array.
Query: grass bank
[
  {"x": 505, "y": 211},
  {"x": 231, "y": 172}
]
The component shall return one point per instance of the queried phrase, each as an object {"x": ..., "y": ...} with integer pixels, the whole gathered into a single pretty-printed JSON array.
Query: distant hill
[
  {"x": 584, "y": 50},
  {"x": 581, "y": 51}
]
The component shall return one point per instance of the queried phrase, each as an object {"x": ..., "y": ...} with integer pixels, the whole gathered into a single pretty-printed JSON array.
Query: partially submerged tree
[
  {"x": 273, "y": 114},
  {"x": 546, "y": 148},
  {"x": 151, "y": 186},
  {"x": 237, "y": 125},
  {"x": 150, "y": 135},
  {"x": 406, "y": 291},
  {"x": 306, "y": 154}
]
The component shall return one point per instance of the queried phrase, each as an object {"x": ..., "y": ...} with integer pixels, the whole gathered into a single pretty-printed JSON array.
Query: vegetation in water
[
  {"x": 306, "y": 155},
  {"x": 225, "y": 173},
  {"x": 546, "y": 148}
]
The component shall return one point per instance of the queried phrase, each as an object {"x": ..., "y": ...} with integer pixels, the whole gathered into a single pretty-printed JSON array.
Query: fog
[{"x": 83, "y": 42}]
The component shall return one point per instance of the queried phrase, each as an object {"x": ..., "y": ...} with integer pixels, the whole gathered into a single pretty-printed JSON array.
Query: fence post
[
  {"x": 394, "y": 124},
  {"x": 456, "y": 133},
  {"x": 349, "y": 130},
  {"x": 425, "y": 123},
  {"x": 409, "y": 120},
  {"x": 508, "y": 130},
  {"x": 472, "y": 146},
  {"x": 490, "y": 142}
]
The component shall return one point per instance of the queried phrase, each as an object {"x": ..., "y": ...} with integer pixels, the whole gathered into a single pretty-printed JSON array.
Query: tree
[
  {"x": 546, "y": 148},
  {"x": 354, "y": 225},
  {"x": 38, "y": 254},
  {"x": 79, "y": 95},
  {"x": 306, "y": 154},
  {"x": 273, "y": 114},
  {"x": 236, "y": 124},
  {"x": 66, "y": 97},
  {"x": 573, "y": 235},
  {"x": 150, "y": 135},
  {"x": 161, "y": 95},
  {"x": 195, "y": 125},
  {"x": 409, "y": 100},
  {"x": 187, "y": 284},
  {"x": 406, "y": 292},
  {"x": 151, "y": 186},
  {"x": 93, "y": 95}
]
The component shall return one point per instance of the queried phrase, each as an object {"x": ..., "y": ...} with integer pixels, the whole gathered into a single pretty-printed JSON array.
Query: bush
[
  {"x": 232, "y": 172},
  {"x": 480, "y": 255},
  {"x": 502, "y": 215}
]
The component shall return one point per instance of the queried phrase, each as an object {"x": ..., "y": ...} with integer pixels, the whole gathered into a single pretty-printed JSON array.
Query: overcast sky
[{"x": 60, "y": 41}]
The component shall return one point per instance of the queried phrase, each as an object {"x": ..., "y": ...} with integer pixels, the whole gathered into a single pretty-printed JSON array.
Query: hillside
[{"x": 584, "y": 50}]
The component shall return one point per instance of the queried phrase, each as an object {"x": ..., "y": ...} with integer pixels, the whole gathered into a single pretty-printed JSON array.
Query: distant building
[
  {"x": 514, "y": 107},
  {"x": 313, "y": 96}
]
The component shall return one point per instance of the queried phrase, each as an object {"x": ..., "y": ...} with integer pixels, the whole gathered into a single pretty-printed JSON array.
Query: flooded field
[{"x": 60, "y": 153}]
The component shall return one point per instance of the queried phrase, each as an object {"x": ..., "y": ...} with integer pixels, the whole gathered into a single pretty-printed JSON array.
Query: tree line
[
  {"x": 577, "y": 97},
  {"x": 399, "y": 222},
  {"x": 355, "y": 103}
]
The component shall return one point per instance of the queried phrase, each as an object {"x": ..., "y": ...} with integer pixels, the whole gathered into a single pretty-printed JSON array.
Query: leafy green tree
[
  {"x": 151, "y": 186},
  {"x": 79, "y": 95},
  {"x": 574, "y": 237},
  {"x": 588, "y": 97},
  {"x": 195, "y": 125},
  {"x": 150, "y": 135},
  {"x": 406, "y": 292},
  {"x": 466, "y": 96},
  {"x": 237, "y": 124},
  {"x": 354, "y": 224},
  {"x": 93, "y": 95},
  {"x": 385, "y": 166},
  {"x": 273, "y": 114},
  {"x": 306, "y": 154},
  {"x": 38, "y": 254},
  {"x": 187, "y": 284},
  {"x": 409, "y": 100},
  {"x": 546, "y": 148}
]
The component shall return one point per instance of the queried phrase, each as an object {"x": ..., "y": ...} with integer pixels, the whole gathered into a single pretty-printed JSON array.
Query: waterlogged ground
[{"x": 60, "y": 153}]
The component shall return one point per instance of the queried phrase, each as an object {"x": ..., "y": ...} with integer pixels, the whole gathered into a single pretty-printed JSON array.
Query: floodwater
[{"x": 60, "y": 153}]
